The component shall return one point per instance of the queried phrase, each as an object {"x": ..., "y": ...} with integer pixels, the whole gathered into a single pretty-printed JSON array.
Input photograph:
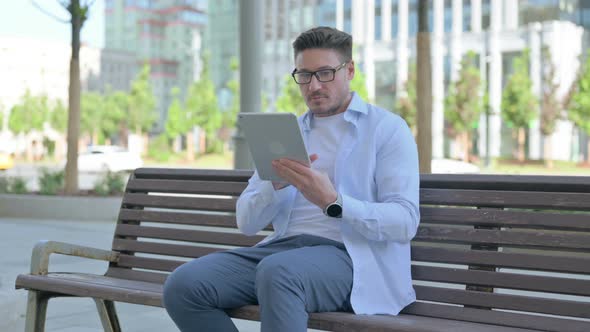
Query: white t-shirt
[{"x": 324, "y": 140}]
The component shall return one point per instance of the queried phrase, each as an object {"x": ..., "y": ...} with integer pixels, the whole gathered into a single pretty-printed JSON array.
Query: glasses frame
[{"x": 315, "y": 73}]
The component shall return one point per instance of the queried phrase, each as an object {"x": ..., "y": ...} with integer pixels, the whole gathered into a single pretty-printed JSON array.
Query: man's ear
[{"x": 350, "y": 70}]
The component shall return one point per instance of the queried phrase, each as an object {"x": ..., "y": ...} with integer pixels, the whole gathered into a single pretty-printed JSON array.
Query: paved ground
[{"x": 18, "y": 236}]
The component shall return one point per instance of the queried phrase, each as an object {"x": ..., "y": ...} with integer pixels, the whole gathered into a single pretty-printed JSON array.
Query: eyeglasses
[{"x": 323, "y": 75}]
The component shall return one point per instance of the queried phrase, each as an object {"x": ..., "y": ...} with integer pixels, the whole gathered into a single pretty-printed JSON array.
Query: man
[{"x": 342, "y": 227}]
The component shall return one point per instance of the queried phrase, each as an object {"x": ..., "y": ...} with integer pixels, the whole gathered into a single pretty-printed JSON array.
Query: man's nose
[{"x": 314, "y": 84}]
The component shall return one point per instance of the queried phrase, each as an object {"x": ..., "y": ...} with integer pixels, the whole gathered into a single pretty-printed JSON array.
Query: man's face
[{"x": 325, "y": 98}]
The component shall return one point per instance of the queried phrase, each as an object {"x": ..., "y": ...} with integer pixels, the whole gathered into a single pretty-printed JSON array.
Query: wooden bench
[{"x": 508, "y": 253}]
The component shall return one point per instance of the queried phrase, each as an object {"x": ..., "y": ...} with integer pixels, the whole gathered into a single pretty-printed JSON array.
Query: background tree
[
  {"x": 141, "y": 114},
  {"x": 519, "y": 104},
  {"x": 229, "y": 113},
  {"x": 550, "y": 106},
  {"x": 359, "y": 84},
  {"x": 463, "y": 103},
  {"x": 290, "y": 99},
  {"x": 28, "y": 116},
  {"x": 92, "y": 115},
  {"x": 203, "y": 110},
  {"x": 579, "y": 110},
  {"x": 178, "y": 123},
  {"x": 405, "y": 105},
  {"x": 424, "y": 89}
]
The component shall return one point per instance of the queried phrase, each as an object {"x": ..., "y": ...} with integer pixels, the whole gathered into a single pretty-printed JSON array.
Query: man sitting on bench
[{"x": 342, "y": 228}]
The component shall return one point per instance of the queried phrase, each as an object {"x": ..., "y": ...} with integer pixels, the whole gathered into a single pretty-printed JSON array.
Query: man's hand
[{"x": 315, "y": 186}]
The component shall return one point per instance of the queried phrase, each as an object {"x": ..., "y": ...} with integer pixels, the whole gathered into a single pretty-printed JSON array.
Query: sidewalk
[{"x": 17, "y": 238}]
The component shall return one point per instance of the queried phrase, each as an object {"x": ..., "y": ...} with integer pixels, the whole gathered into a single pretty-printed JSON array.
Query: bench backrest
[{"x": 490, "y": 248}]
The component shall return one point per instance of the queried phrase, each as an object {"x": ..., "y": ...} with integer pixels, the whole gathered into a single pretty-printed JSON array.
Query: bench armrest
[{"x": 42, "y": 250}]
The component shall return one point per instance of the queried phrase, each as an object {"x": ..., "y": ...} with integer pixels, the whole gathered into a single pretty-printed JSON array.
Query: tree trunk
[
  {"x": 424, "y": 90},
  {"x": 95, "y": 137},
  {"x": 71, "y": 176},
  {"x": 521, "y": 141},
  {"x": 548, "y": 151},
  {"x": 190, "y": 146},
  {"x": 465, "y": 144}
]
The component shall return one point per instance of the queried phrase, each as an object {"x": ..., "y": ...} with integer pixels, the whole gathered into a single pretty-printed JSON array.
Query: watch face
[{"x": 334, "y": 210}]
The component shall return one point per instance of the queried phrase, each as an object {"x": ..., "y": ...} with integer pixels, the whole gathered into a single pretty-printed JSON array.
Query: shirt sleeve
[
  {"x": 258, "y": 204},
  {"x": 396, "y": 214}
]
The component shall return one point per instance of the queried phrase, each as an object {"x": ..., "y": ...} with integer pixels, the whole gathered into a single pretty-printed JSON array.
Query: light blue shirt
[{"x": 376, "y": 172}]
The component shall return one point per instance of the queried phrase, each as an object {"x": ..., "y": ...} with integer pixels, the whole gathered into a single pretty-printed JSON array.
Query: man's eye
[{"x": 325, "y": 73}]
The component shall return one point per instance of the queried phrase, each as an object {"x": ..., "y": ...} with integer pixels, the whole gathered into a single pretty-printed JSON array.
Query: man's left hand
[{"x": 314, "y": 185}]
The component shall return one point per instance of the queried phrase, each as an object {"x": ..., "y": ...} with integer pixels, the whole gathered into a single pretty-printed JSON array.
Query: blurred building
[
  {"x": 166, "y": 34},
  {"x": 43, "y": 68},
  {"x": 384, "y": 32}
]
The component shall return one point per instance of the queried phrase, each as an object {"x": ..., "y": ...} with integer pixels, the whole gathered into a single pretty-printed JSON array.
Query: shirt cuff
[{"x": 268, "y": 193}]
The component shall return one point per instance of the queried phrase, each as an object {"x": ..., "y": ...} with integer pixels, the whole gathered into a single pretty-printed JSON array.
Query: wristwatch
[{"x": 334, "y": 210}]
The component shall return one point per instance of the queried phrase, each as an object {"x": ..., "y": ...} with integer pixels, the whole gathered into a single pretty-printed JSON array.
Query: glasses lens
[
  {"x": 325, "y": 75},
  {"x": 302, "y": 78}
]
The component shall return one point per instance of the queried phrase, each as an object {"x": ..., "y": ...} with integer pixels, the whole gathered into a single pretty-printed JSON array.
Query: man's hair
[{"x": 325, "y": 37}]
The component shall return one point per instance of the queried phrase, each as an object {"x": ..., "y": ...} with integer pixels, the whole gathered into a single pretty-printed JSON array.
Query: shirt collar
[{"x": 356, "y": 107}]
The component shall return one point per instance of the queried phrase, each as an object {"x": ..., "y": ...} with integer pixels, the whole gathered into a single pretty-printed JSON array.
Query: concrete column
[
  {"x": 275, "y": 54},
  {"x": 402, "y": 44},
  {"x": 456, "y": 44},
  {"x": 438, "y": 89},
  {"x": 340, "y": 15},
  {"x": 368, "y": 57},
  {"x": 495, "y": 80},
  {"x": 358, "y": 22},
  {"x": 251, "y": 45},
  {"x": 386, "y": 20},
  {"x": 511, "y": 14},
  {"x": 535, "y": 142},
  {"x": 476, "y": 15}
]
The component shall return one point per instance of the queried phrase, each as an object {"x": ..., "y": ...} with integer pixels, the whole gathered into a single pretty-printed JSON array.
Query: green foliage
[
  {"x": 290, "y": 99},
  {"x": 159, "y": 149},
  {"x": 30, "y": 114},
  {"x": 12, "y": 185},
  {"x": 359, "y": 85},
  {"x": 114, "y": 110},
  {"x": 51, "y": 182},
  {"x": 141, "y": 113},
  {"x": 202, "y": 106},
  {"x": 177, "y": 121},
  {"x": 550, "y": 105},
  {"x": 92, "y": 113},
  {"x": 519, "y": 104},
  {"x": 579, "y": 111},
  {"x": 59, "y": 117},
  {"x": 463, "y": 104},
  {"x": 230, "y": 115},
  {"x": 110, "y": 184},
  {"x": 406, "y": 100}
]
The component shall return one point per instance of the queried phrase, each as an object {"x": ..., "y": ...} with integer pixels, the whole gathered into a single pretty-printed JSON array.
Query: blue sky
[{"x": 22, "y": 19}]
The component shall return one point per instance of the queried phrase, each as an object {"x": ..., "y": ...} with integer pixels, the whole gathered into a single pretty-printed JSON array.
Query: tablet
[{"x": 272, "y": 136}]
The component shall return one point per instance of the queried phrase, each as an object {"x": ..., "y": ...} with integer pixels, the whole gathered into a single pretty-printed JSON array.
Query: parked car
[
  {"x": 102, "y": 158},
  {"x": 6, "y": 161}
]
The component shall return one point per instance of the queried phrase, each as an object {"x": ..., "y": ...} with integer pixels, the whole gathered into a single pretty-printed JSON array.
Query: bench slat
[
  {"x": 187, "y": 187},
  {"x": 127, "y": 273},
  {"x": 497, "y": 317},
  {"x": 232, "y": 239},
  {"x": 177, "y": 202},
  {"x": 527, "y": 219},
  {"x": 193, "y": 174},
  {"x": 544, "y": 262},
  {"x": 504, "y": 301},
  {"x": 162, "y": 248},
  {"x": 502, "y": 280},
  {"x": 182, "y": 218},
  {"x": 514, "y": 199},
  {"x": 506, "y": 237},
  {"x": 148, "y": 263}
]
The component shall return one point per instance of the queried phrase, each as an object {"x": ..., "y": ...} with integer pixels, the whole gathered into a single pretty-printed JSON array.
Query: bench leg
[
  {"x": 108, "y": 315},
  {"x": 36, "y": 311}
]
